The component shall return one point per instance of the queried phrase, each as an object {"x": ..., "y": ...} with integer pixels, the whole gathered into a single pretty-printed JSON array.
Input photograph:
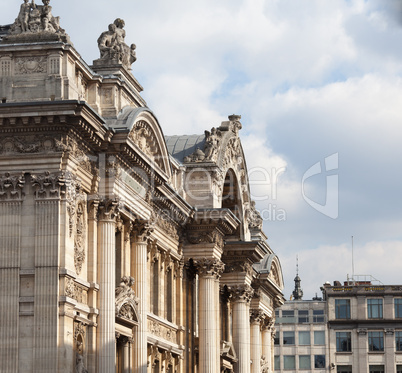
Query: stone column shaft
[
  {"x": 209, "y": 271},
  {"x": 266, "y": 347},
  {"x": 139, "y": 269},
  {"x": 107, "y": 278},
  {"x": 255, "y": 347},
  {"x": 241, "y": 327}
]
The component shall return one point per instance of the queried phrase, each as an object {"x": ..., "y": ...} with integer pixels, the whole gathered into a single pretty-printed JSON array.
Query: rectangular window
[
  {"x": 289, "y": 362},
  {"x": 319, "y": 361},
  {"x": 376, "y": 341},
  {"x": 288, "y": 338},
  {"x": 303, "y": 316},
  {"x": 342, "y": 308},
  {"x": 277, "y": 362},
  {"x": 398, "y": 341},
  {"x": 288, "y": 313},
  {"x": 344, "y": 369},
  {"x": 277, "y": 338},
  {"x": 398, "y": 308},
  {"x": 343, "y": 341},
  {"x": 399, "y": 369},
  {"x": 304, "y": 362},
  {"x": 374, "y": 308},
  {"x": 276, "y": 314},
  {"x": 318, "y": 315},
  {"x": 319, "y": 338},
  {"x": 376, "y": 369},
  {"x": 304, "y": 338}
]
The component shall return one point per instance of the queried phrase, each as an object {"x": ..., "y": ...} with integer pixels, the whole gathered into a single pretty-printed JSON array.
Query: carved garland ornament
[{"x": 197, "y": 237}]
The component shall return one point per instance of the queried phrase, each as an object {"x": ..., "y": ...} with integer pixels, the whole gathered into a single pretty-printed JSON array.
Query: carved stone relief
[
  {"x": 196, "y": 237},
  {"x": 240, "y": 266},
  {"x": 75, "y": 291},
  {"x": 162, "y": 331},
  {"x": 126, "y": 301},
  {"x": 79, "y": 238},
  {"x": 31, "y": 65},
  {"x": 253, "y": 217}
]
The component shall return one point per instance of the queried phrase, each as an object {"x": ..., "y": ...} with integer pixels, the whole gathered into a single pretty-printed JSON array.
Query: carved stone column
[
  {"x": 139, "y": 243},
  {"x": 107, "y": 277},
  {"x": 256, "y": 316},
  {"x": 241, "y": 326},
  {"x": 209, "y": 271}
]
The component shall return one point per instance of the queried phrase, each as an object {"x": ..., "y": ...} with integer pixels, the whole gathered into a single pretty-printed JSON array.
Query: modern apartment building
[
  {"x": 301, "y": 341},
  {"x": 356, "y": 327},
  {"x": 364, "y": 326}
]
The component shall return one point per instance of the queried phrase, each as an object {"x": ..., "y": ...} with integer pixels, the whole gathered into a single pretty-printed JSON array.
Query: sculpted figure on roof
[
  {"x": 34, "y": 19},
  {"x": 112, "y": 47}
]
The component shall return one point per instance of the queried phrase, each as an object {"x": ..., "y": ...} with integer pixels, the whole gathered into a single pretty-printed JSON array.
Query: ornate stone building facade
[{"x": 120, "y": 250}]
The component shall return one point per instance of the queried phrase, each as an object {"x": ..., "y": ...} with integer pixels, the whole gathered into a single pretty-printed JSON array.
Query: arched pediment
[
  {"x": 128, "y": 310},
  {"x": 271, "y": 265},
  {"x": 145, "y": 133},
  {"x": 126, "y": 302}
]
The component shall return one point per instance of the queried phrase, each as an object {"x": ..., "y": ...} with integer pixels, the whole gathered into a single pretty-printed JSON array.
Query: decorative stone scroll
[
  {"x": 209, "y": 267},
  {"x": 36, "y": 22},
  {"x": 242, "y": 293},
  {"x": 11, "y": 187},
  {"x": 113, "y": 49}
]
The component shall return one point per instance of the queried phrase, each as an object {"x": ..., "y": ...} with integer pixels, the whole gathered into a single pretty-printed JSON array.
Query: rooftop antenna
[{"x": 353, "y": 264}]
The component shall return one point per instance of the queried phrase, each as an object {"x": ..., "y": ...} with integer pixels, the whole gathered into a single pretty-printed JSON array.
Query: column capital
[
  {"x": 242, "y": 293},
  {"x": 141, "y": 231},
  {"x": 11, "y": 186},
  {"x": 256, "y": 316},
  {"x": 209, "y": 267},
  {"x": 108, "y": 209}
]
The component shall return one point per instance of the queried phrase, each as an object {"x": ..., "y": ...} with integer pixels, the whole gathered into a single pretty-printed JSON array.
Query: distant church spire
[{"x": 297, "y": 292}]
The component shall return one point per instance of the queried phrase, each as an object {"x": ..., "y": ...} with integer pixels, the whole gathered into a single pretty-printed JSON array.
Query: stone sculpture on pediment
[
  {"x": 212, "y": 141},
  {"x": 36, "y": 22},
  {"x": 112, "y": 47},
  {"x": 125, "y": 299},
  {"x": 253, "y": 217}
]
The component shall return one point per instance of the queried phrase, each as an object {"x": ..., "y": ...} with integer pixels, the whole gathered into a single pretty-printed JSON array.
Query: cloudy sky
[{"x": 319, "y": 86}]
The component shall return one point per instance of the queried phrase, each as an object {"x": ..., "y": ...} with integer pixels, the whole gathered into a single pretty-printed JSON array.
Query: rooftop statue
[
  {"x": 35, "y": 22},
  {"x": 113, "y": 49}
]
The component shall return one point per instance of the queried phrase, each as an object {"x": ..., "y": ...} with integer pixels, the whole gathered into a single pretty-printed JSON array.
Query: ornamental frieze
[
  {"x": 162, "y": 331},
  {"x": 196, "y": 237},
  {"x": 239, "y": 266}
]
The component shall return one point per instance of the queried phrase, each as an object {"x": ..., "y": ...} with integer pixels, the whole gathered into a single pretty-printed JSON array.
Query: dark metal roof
[{"x": 182, "y": 146}]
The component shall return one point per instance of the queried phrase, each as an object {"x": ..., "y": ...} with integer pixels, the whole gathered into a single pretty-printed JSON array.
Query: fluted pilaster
[
  {"x": 107, "y": 277},
  {"x": 10, "y": 227}
]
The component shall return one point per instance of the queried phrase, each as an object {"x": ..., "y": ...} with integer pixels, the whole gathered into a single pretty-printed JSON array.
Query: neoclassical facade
[{"x": 121, "y": 250}]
